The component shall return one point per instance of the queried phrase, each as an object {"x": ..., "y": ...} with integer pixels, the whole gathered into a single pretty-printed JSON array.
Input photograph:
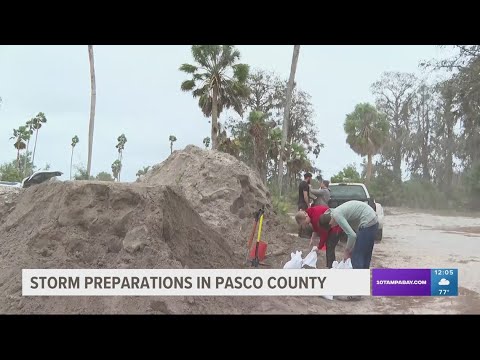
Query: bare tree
[
  {"x": 394, "y": 94},
  {"x": 291, "y": 82},
  {"x": 92, "y": 109}
]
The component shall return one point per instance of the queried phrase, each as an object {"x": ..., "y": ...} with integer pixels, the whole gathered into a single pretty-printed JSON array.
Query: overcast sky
[{"x": 138, "y": 93}]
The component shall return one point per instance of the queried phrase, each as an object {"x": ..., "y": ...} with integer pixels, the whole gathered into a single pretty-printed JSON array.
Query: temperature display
[{"x": 444, "y": 282}]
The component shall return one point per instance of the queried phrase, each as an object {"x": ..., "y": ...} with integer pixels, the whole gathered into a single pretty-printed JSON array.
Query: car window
[{"x": 348, "y": 191}]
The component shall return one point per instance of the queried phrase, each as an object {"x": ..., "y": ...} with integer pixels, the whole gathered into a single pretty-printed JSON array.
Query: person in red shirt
[{"x": 327, "y": 234}]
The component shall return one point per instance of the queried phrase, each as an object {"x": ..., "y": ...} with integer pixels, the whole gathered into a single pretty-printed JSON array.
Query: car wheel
[{"x": 379, "y": 235}]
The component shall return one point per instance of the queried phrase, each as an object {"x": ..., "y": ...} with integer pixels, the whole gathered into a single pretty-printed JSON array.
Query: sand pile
[
  {"x": 224, "y": 191},
  {"x": 194, "y": 210},
  {"x": 104, "y": 225}
]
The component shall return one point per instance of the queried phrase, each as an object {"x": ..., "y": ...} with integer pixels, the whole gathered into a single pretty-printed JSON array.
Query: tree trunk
[
  {"x": 26, "y": 158},
  {"x": 425, "y": 150},
  {"x": 34, "y": 149},
  {"x": 426, "y": 170},
  {"x": 449, "y": 156},
  {"x": 255, "y": 155},
  {"x": 71, "y": 162},
  {"x": 92, "y": 109},
  {"x": 120, "y": 169},
  {"x": 215, "y": 117},
  {"x": 369, "y": 167},
  {"x": 259, "y": 157},
  {"x": 293, "y": 69},
  {"x": 265, "y": 168},
  {"x": 275, "y": 168},
  {"x": 18, "y": 159},
  {"x": 397, "y": 163},
  {"x": 425, "y": 166},
  {"x": 171, "y": 148}
]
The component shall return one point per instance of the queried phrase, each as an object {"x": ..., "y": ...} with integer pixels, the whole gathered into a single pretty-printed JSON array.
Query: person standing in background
[
  {"x": 304, "y": 192},
  {"x": 322, "y": 194},
  {"x": 304, "y": 198}
]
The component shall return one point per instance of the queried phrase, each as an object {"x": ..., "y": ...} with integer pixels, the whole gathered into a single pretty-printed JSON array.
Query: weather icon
[{"x": 444, "y": 282}]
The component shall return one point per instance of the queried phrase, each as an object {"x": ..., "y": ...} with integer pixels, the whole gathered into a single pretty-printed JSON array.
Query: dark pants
[
  {"x": 302, "y": 206},
  {"x": 362, "y": 251},
  {"x": 332, "y": 242}
]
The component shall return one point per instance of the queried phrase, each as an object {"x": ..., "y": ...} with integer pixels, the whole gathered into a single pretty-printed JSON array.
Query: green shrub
[
  {"x": 423, "y": 194},
  {"x": 471, "y": 181},
  {"x": 280, "y": 206}
]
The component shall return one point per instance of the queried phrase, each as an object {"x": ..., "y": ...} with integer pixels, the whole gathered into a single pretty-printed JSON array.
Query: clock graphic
[{"x": 444, "y": 282}]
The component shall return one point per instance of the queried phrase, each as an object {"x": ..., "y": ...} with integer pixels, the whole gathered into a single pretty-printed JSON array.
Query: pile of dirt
[
  {"x": 105, "y": 225},
  {"x": 225, "y": 192},
  {"x": 9, "y": 194},
  {"x": 194, "y": 210}
]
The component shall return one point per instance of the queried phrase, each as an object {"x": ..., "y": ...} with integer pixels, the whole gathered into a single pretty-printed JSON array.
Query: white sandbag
[
  {"x": 311, "y": 259},
  {"x": 342, "y": 264},
  {"x": 295, "y": 262},
  {"x": 339, "y": 265}
]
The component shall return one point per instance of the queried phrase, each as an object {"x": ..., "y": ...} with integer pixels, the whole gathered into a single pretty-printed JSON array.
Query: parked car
[
  {"x": 343, "y": 192},
  {"x": 38, "y": 177},
  {"x": 10, "y": 184}
]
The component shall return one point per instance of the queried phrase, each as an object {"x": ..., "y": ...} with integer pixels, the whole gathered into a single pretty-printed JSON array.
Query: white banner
[{"x": 194, "y": 282}]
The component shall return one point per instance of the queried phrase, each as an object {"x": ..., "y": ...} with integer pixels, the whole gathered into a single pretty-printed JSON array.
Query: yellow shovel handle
[{"x": 260, "y": 228}]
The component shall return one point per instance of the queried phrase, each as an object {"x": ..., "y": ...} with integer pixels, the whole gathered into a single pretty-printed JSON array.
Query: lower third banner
[
  {"x": 415, "y": 282},
  {"x": 194, "y": 282}
]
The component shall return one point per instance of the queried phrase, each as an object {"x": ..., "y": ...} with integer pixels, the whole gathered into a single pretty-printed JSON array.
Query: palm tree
[
  {"x": 116, "y": 169},
  {"x": 172, "y": 139},
  {"x": 37, "y": 122},
  {"x": 122, "y": 140},
  {"x": 206, "y": 142},
  {"x": 291, "y": 83},
  {"x": 274, "y": 143},
  {"x": 142, "y": 171},
  {"x": 104, "y": 176},
  {"x": 19, "y": 136},
  {"x": 93, "y": 100},
  {"x": 298, "y": 162},
  {"x": 258, "y": 129},
  {"x": 217, "y": 81},
  {"x": 74, "y": 143},
  {"x": 29, "y": 126},
  {"x": 367, "y": 131}
]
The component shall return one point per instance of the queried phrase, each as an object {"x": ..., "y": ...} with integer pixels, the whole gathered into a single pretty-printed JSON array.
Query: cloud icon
[{"x": 444, "y": 282}]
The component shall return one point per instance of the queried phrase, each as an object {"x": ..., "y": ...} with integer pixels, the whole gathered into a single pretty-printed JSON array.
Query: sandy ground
[
  {"x": 420, "y": 240},
  {"x": 411, "y": 240}
]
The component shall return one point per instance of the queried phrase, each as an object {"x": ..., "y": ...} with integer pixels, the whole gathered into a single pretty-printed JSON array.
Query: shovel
[
  {"x": 250, "y": 240},
  {"x": 256, "y": 261}
]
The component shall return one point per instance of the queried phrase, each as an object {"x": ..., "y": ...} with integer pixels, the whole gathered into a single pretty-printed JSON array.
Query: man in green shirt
[{"x": 359, "y": 221}]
